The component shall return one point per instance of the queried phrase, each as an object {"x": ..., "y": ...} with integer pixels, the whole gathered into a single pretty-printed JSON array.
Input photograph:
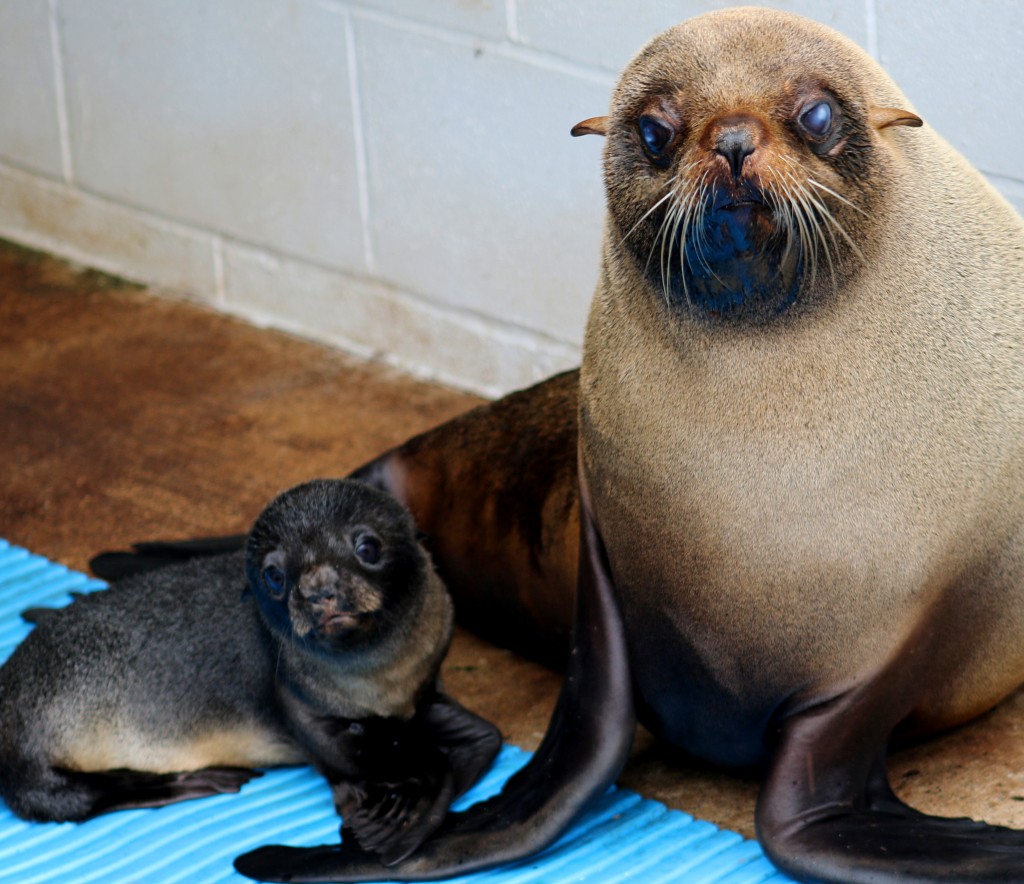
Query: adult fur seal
[
  {"x": 801, "y": 431},
  {"x": 173, "y": 685},
  {"x": 802, "y": 460}
]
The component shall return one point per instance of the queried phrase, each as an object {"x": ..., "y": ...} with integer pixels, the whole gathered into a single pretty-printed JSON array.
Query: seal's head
[
  {"x": 335, "y": 565},
  {"x": 743, "y": 161}
]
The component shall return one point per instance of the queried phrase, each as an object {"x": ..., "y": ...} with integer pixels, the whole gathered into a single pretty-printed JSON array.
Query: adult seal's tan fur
[{"x": 801, "y": 431}]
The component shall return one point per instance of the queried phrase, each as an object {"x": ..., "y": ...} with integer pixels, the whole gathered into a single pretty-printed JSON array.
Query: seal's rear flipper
[
  {"x": 129, "y": 789},
  {"x": 585, "y": 746},
  {"x": 828, "y": 813},
  {"x": 150, "y": 555},
  {"x": 41, "y": 613},
  {"x": 42, "y": 793}
]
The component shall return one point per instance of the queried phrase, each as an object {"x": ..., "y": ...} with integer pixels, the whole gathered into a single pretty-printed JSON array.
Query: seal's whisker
[
  {"x": 701, "y": 238},
  {"x": 828, "y": 216},
  {"x": 786, "y": 210},
  {"x": 838, "y": 196},
  {"x": 807, "y": 223},
  {"x": 666, "y": 222},
  {"x": 680, "y": 237},
  {"x": 691, "y": 229},
  {"x": 822, "y": 213},
  {"x": 706, "y": 200},
  {"x": 782, "y": 207},
  {"x": 808, "y": 239},
  {"x": 661, "y": 237},
  {"x": 668, "y": 195},
  {"x": 824, "y": 241},
  {"x": 677, "y": 238},
  {"x": 670, "y": 222}
]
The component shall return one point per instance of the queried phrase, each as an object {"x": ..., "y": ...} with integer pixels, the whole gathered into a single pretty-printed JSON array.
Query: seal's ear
[
  {"x": 884, "y": 117},
  {"x": 593, "y": 126}
]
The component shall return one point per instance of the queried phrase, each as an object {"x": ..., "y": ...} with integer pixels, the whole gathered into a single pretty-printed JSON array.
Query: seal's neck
[{"x": 385, "y": 679}]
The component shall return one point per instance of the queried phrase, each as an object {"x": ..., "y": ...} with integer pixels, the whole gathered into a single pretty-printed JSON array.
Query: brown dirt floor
[{"x": 125, "y": 416}]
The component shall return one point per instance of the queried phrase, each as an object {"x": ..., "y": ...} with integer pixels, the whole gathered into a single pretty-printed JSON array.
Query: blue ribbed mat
[{"x": 623, "y": 838}]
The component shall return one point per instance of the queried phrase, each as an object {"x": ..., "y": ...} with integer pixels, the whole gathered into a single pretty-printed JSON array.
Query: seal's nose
[
  {"x": 735, "y": 144},
  {"x": 318, "y": 583}
]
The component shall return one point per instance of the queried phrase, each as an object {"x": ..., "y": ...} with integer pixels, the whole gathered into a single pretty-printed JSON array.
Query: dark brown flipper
[
  {"x": 391, "y": 820},
  {"x": 409, "y": 774},
  {"x": 828, "y": 813},
  {"x": 150, "y": 555},
  {"x": 585, "y": 747},
  {"x": 392, "y": 817},
  {"x": 470, "y": 742},
  {"x": 112, "y": 790}
]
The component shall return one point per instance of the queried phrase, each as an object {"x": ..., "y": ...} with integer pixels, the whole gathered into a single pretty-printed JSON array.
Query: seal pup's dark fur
[{"x": 320, "y": 644}]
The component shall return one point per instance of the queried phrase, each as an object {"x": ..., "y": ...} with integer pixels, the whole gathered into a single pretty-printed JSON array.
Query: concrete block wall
[{"x": 392, "y": 176}]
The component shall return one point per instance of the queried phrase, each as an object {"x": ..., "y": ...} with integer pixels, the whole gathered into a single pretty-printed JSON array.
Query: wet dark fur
[{"x": 165, "y": 662}]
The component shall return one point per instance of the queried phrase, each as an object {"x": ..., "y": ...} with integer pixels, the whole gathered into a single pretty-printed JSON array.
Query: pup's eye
[
  {"x": 368, "y": 550},
  {"x": 274, "y": 579},
  {"x": 817, "y": 119},
  {"x": 656, "y": 135}
]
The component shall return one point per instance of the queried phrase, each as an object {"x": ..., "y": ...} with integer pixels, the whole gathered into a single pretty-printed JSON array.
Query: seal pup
[
  {"x": 176, "y": 683},
  {"x": 801, "y": 431}
]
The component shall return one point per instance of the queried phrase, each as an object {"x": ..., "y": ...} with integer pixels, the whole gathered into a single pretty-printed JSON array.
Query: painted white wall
[{"x": 395, "y": 177}]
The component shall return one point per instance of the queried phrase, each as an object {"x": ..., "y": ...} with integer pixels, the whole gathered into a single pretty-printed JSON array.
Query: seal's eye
[
  {"x": 656, "y": 135},
  {"x": 274, "y": 579},
  {"x": 817, "y": 119},
  {"x": 368, "y": 550}
]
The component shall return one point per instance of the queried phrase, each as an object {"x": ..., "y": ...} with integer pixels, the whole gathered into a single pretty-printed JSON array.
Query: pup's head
[{"x": 335, "y": 564}]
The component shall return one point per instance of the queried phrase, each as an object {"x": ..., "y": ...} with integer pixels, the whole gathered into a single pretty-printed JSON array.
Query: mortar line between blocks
[
  {"x": 359, "y": 135},
  {"x": 871, "y": 16},
  {"x": 512, "y": 20},
  {"x": 63, "y": 128},
  {"x": 502, "y": 47}
]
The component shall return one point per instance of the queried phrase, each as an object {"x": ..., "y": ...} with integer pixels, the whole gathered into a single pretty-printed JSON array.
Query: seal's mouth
[
  {"x": 724, "y": 251},
  {"x": 734, "y": 194},
  {"x": 741, "y": 205},
  {"x": 338, "y": 623}
]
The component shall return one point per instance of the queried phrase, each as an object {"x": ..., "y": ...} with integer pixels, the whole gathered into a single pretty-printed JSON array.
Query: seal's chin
[{"x": 734, "y": 262}]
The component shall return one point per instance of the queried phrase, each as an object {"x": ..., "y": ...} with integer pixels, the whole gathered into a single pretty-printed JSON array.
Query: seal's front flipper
[
  {"x": 111, "y": 790},
  {"x": 827, "y": 812},
  {"x": 410, "y": 774},
  {"x": 150, "y": 555},
  {"x": 470, "y": 742},
  {"x": 392, "y": 819},
  {"x": 585, "y": 746}
]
